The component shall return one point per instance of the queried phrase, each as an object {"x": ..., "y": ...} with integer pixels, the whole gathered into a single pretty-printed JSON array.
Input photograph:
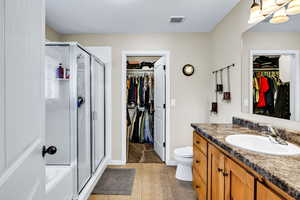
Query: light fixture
[
  {"x": 255, "y": 13},
  {"x": 293, "y": 8},
  {"x": 269, "y": 6},
  {"x": 279, "y": 16},
  {"x": 281, "y": 2}
]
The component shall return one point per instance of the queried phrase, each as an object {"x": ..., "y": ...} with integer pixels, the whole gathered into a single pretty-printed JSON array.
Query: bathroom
[{"x": 214, "y": 58}]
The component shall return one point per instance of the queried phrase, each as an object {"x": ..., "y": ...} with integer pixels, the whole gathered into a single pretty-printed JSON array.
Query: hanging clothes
[
  {"x": 269, "y": 96},
  {"x": 282, "y": 106},
  {"x": 147, "y": 130},
  {"x": 273, "y": 99},
  {"x": 140, "y": 98},
  {"x": 264, "y": 87}
]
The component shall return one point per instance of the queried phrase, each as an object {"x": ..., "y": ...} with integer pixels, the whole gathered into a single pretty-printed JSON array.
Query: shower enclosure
[{"x": 75, "y": 110}]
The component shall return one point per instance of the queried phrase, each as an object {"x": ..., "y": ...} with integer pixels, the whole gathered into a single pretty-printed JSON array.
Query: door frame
[
  {"x": 294, "y": 93},
  {"x": 165, "y": 54}
]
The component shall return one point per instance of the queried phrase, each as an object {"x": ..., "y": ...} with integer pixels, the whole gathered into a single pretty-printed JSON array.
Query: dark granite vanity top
[{"x": 282, "y": 171}]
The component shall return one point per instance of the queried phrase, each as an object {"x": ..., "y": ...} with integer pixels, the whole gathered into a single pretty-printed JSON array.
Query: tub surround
[{"x": 282, "y": 171}]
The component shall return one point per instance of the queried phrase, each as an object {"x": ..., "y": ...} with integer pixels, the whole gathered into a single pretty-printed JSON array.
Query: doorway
[{"x": 145, "y": 118}]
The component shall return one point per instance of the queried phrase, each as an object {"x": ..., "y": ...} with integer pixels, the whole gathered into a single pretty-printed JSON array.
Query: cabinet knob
[
  {"x": 197, "y": 186},
  {"x": 197, "y": 161},
  {"x": 220, "y": 170},
  {"x": 197, "y": 142},
  {"x": 225, "y": 174}
]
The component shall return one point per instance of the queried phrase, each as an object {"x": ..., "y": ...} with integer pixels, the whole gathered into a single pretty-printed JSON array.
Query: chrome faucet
[{"x": 275, "y": 135}]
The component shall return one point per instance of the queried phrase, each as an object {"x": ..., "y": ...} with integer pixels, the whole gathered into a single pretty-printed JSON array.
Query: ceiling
[
  {"x": 134, "y": 16},
  {"x": 293, "y": 25}
]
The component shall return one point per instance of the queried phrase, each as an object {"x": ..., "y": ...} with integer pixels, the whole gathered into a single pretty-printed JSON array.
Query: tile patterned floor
[
  {"x": 142, "y": 153},
  {"x": 154, "y": 182}
]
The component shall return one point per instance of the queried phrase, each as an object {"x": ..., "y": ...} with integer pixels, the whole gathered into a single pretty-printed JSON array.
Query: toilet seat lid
[{"x": 186, "y": 152}]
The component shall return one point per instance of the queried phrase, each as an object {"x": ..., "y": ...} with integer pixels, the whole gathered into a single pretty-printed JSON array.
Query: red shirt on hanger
[{"x": 263, "y": 88}]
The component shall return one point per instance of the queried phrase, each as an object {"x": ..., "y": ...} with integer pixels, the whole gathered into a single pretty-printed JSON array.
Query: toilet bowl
[{"x": 184, "y": 158}]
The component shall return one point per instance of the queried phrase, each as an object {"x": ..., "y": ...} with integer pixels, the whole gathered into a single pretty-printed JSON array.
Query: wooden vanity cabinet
[
  {"x": 264, "y": 193},
  {"x": 216, "y": 176}
]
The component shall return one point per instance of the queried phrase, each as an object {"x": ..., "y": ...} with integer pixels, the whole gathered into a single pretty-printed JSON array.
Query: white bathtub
[{"x": 59, "y": 183}]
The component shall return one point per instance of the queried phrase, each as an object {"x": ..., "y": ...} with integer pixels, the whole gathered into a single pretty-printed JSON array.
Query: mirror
[{"x": 270, "y": 69}]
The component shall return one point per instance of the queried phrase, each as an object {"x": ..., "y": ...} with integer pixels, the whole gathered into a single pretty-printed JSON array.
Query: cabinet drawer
[
  {"x": 199, "y": 186},
  {"x": 200, "y": 142},
  {"x": 200, "y": 163}
]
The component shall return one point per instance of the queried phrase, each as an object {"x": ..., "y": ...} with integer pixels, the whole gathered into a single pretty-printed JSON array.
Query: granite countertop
[{"x": 282, "y": 171}]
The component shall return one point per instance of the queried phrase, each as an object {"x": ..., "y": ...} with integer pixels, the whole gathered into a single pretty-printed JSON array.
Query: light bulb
[
  {"x": 293, "y": 8},
  {"x": 279, "y": 16},
  {"x": 281, "y": 2},
  {"x": 268, "y": 7}
]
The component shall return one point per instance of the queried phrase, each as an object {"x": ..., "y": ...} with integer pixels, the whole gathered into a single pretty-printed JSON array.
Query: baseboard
[
  {"x": 171, "y": 163},
  {"x": 116, "y": 162},
  {"x": 121, "y": 162},
  {"x": 86, "y": 192}
]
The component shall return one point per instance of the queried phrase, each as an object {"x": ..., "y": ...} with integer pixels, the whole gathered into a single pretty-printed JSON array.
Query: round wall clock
[{"x": 188, "y": 70}]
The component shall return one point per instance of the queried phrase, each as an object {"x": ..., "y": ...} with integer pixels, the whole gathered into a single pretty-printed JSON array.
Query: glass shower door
[
  {"x": 98, "y": 111},
  {"x": 83, "y": 119}
]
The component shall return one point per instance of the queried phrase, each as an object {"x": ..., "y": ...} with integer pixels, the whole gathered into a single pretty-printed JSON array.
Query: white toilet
[{"x": 184, "y": 158}]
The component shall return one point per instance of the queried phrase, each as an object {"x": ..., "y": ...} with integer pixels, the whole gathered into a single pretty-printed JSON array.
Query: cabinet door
[
  {"x": 239, "y": 184},
  {"x": 263, "y": 193},
  {"x": 199, "y": 186},
  {"x": 216, "y": 179},
  {"x": 200, "y": 164}
]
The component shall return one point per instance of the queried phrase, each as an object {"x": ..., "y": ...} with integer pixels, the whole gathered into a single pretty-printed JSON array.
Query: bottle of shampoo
[{"x": 60, "y": 71}]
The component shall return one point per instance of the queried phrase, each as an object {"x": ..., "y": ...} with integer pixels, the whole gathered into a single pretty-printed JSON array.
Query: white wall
[
  {"x": 2, "y": 147},
  {"x": 227, "y": 48},
  {"x": 52, "y": 35},
  {"x": 190, "y": 92}
]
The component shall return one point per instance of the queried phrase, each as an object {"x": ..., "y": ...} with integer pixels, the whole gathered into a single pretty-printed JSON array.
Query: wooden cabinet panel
[
  {"x": 216, "y": 180},
  {"x": 200, "y": 164},
  {"x": 239, "y": 184},
  {"x": 200, "y": 142},
  {"x": 263, "y": 193},
  {"x": 199, "y": 186}
]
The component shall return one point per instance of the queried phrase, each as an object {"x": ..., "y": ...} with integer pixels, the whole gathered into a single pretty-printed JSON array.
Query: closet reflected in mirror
[{"x": 271, "y": 71}]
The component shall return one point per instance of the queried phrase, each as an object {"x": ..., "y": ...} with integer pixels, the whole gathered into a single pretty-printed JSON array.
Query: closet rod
[
  {"x": 140, "y": 70},
  {"x": 266, "y": 69},
  {"x": 227, "y": 67}
]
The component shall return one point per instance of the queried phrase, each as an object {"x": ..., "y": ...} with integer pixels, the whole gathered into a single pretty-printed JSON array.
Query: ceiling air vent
[{"x": 177, "y": 19}]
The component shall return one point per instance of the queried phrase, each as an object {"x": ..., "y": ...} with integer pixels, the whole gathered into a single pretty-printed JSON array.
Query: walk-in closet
[{"x": 145, "y": 84}]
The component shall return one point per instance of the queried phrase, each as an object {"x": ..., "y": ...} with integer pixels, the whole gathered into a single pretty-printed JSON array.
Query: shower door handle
[
  {"x": 80, "y": 101},
  {"x": 50, "y": 150}
]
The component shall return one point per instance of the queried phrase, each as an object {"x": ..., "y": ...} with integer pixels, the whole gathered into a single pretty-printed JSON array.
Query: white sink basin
[{"x": 262, "y": 144}]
